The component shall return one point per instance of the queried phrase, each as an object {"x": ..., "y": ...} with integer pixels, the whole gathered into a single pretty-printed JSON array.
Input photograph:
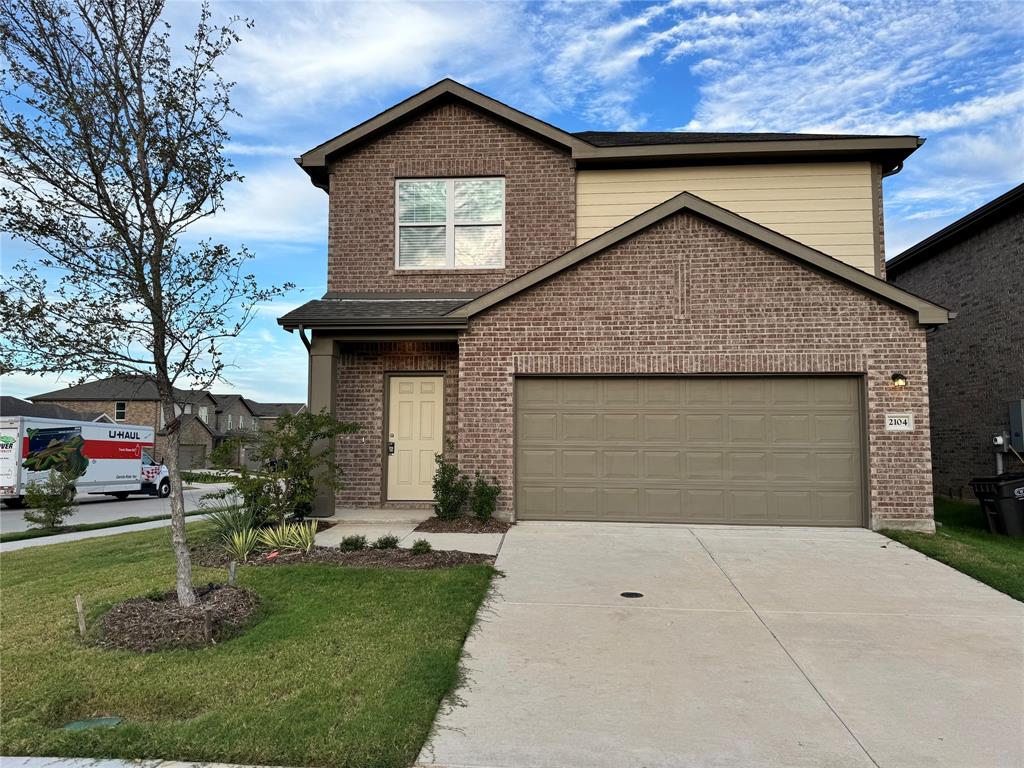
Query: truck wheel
[
  {"x": 165, "y": 489},
  {"x": 69, "y": 494},
  {"x": 120, "y": 495},
  {"x": 15, "y": 502}
]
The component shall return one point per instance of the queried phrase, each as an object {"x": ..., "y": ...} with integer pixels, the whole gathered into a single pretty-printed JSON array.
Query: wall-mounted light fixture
[{"x": 899, "y": 380}]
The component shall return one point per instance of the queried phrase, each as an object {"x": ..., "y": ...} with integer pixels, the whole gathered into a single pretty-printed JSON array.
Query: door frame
[
  {"x": 386, "y": 417},
  {"x": 865, "y": 419}
]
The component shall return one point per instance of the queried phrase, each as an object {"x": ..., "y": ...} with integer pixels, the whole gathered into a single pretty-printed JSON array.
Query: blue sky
[{"x": 950, "y": 72}]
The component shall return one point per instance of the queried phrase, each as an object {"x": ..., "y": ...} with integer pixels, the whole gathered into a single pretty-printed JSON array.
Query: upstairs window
[
  {"x": 120, "y": 410},
  {"x": 450, "y": 223}
]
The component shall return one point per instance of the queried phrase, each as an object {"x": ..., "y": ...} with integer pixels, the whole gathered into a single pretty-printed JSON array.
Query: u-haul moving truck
[{"x": 114, "y": 459}]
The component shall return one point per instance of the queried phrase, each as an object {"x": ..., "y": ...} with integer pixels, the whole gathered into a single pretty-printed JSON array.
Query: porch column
[{"x": 323, "y": 385}]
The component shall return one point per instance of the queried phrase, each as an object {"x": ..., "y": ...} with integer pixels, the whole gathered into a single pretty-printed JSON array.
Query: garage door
[
  {"x": 192, "y": 456},
  {"x": 766, "y": 450}
]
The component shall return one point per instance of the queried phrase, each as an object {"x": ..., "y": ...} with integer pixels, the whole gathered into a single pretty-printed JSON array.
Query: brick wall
[
  {"x": 976, "y": 363},
  {"x": 451, "y": 140},
  {"x": 685, "y": 297},
  {"x": 362, "y": 369}
]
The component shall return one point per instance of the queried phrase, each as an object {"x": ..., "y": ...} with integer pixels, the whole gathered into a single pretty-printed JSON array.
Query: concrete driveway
[{"x": 750, "y": 647}]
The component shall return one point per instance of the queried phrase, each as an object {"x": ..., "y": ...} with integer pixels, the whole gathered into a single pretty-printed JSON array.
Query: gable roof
[
  {"x": 964, "y": 227},
  {"x": 128, "y": 388},
  {"x": 273, "y": 410},
  {"x": 927, "y": 313},
  {"x": 14, "y": 406},
  {"x": 609, "y": 147},
  {"x": 228, "y": 400}
]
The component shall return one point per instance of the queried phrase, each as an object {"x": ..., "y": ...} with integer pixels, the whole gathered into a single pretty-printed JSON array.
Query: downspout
[{"x": 305, "y": 340}]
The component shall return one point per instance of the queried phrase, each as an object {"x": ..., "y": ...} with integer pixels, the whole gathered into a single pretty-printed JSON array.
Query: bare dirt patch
[
  {"x": 464, "y": 524},
  {"x": 146, "y": 624},
  {"x": 212, "y": 556}
]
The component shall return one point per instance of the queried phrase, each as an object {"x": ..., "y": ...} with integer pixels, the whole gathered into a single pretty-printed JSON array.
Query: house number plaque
[{"x": 899, "y": 422}]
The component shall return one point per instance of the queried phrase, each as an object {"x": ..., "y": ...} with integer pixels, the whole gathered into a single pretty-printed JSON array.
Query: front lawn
[
  {"x": 963, "y": 541},
  {"x": 346, "y": 666}
]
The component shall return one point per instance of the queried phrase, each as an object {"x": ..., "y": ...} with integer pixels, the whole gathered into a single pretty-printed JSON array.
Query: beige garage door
[{"x": 766, "y": 450}]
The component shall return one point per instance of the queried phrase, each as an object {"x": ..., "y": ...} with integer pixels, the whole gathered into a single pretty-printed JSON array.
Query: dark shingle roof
[
  {"x": 653, "y": 138},
  {"x": 13, "y": 406},
  {"x": 360, "y": 309},
  {"x": 272, "y": 410},
  {"x": 226, "y": 401},
  {"x": 134, "y": 388}
]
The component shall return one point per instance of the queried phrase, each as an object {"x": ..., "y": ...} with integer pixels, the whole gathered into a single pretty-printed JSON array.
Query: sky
[{"x": 951, "y": 72}]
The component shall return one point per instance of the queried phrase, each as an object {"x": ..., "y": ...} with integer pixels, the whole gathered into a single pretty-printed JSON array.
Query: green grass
[
  {"x": 37, "y": 533},
  {"x": 963, "y": 541},
  {"x": 346, "y": 666}
]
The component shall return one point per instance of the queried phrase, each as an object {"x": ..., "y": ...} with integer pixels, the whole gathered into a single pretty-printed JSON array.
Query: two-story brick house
[{"x": 668, "y": 327}]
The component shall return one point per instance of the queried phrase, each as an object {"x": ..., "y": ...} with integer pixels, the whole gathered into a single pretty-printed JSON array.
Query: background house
[
  {"x": 236, "y": 423},
  {"x": 974, "y": 267},
  {"x": 267, "y": 413},
  {"x": 13, "y": 406}
]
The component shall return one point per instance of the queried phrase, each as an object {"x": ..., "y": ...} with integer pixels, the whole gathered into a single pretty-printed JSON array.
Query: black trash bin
[{"x": 1002, "y": 499}]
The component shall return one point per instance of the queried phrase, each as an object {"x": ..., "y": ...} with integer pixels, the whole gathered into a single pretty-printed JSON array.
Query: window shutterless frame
[{"x": 449, "y": 224}]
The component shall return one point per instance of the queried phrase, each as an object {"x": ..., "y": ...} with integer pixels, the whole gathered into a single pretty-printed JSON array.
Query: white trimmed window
[{"x": 450, "y": 223}]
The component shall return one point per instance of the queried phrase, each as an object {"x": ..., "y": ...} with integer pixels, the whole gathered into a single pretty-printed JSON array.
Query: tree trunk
[{"x": 183, "y": 559}]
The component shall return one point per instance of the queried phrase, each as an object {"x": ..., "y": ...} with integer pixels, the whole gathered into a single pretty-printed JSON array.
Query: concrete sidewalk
[{"x": 768, "y": 647}]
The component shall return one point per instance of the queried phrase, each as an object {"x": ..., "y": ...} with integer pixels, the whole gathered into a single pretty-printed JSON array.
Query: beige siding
[{"x": 827, "y": 206}]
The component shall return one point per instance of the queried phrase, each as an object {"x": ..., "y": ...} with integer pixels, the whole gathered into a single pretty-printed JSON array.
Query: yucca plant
[
  {"x": 240, "y": 544},
  {"x": 278, "y": 536},
  {"x": 227, "y": 517},
  {"x": 305, "y": 536}
]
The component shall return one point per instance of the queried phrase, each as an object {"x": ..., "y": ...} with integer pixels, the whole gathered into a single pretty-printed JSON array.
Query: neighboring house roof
[
  {"x": 927, "y": 313},
  {"x": 224, "y": 402},
  {"x": 127, "y": 388},
  {"x": 960, "y": 229},
  {"x": 374, "y": 310},
  {"x": 273, "y": 410},
  {"x": 187, "y": 418},
  {"x": 601, "y": 147},
  {"x": 13, "y": 406}
]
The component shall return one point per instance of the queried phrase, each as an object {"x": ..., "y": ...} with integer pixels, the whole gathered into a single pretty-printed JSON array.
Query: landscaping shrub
[
  {"x": 353, "y": 543},
  {"x": 51, "y": 501},
  {"x": 304, "y": 536},
  {"x": 421, "y": 547},
  {"x": 240, "y": 544},
  {"x": 387, "y": 541},
  {"x": 227, "y": 517},
  {"x": 484, "y": 498},
  {"x": 451, "y": 489}
]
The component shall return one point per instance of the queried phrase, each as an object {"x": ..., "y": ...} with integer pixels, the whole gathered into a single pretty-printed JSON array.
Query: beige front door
[{"x": 415, "y": 435}]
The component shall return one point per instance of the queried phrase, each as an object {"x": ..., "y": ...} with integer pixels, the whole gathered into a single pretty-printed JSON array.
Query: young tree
[{"x": 111, "y": 146}]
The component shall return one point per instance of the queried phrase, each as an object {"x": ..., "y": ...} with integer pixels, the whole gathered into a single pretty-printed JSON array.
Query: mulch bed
[
  {"x": 464, "y": 524},
  {"x": 211, "y": 555},
  {"x": 146, "y": 624}
]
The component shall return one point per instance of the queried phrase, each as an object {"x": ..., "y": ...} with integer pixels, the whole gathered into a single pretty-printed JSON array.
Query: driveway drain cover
[
  {"x": 631, "y": 594},
  {"x": 96, "y": 722}
]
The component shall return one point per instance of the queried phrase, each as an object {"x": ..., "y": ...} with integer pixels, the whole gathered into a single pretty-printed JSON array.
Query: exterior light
[{"x": 899, "y": 380}]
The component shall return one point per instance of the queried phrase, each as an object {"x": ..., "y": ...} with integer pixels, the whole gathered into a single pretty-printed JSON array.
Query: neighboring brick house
[
  {"x": 236, "y": 422},
  {"x": 13, "y": 406},
  {"x": 135, "y": 400},
  {"x": 669, "y": 327},
  {"x": 975, "y": 267},
  {"x": 267, "y": 413}
]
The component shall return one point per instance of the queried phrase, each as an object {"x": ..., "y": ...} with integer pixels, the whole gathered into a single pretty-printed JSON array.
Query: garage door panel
[
  {"x": 621, "y": 427},
  {"x": 775, "y": 450}
]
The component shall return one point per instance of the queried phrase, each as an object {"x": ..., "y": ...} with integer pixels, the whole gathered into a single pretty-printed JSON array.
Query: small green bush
[
  {"x": 484, "y": 499},
  {"x": 451, "y": 489},
  {"x": 353, "y": 543},
  {"x": 387, "y": 541},
  {"x": 240, "y": 544},
  {"x": 421, "y": 547},
  {"x": 51, "y": 501}
]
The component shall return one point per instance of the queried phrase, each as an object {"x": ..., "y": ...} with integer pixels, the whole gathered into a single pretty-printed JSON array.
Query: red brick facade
[
  {"x": 451, "y": 140},
  {"x": 686, "y": 297},
  {"x": 362, "y": 374}
]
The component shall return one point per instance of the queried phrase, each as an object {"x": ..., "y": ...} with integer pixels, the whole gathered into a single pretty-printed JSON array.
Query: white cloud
[{"x": 275, "y": 203}]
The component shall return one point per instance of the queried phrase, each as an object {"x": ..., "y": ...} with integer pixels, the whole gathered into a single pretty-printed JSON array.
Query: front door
[{"x": 415, "y": 435}]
